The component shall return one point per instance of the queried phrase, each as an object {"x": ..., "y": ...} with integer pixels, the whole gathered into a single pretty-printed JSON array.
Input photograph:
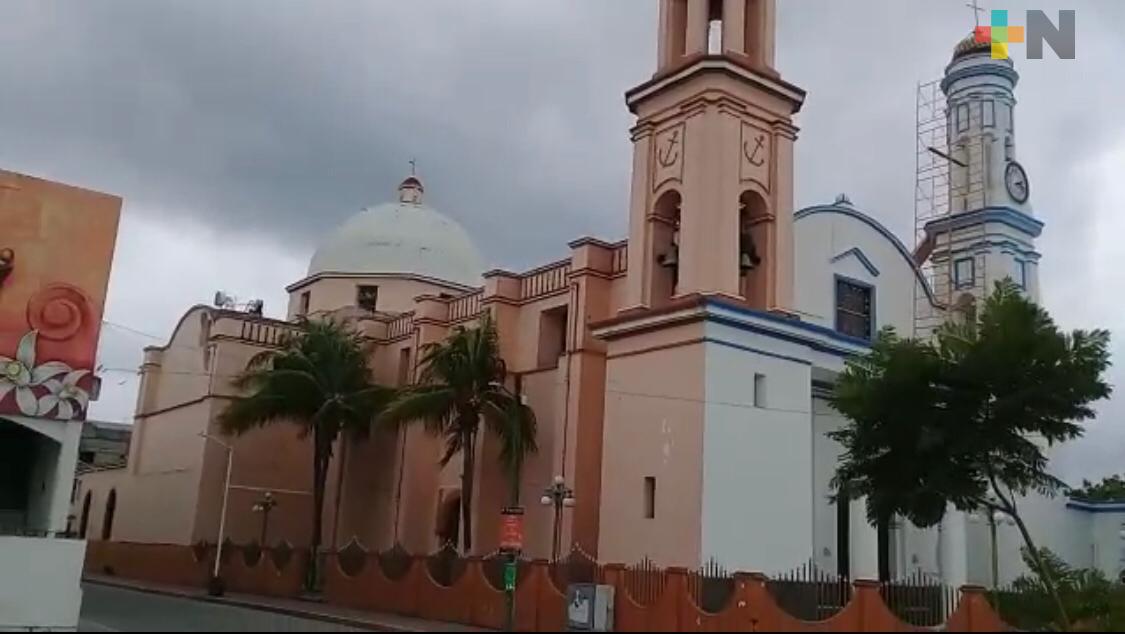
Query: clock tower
[{"x": 989, "y": 233}]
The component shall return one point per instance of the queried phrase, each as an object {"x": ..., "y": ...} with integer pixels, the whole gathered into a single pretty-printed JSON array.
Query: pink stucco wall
[{"x": 654, "y": 428}]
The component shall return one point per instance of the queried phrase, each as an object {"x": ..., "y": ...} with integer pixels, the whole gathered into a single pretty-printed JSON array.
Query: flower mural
[
  {"x": 56, "y": 249},
  {"x": 20, "y": 376}
]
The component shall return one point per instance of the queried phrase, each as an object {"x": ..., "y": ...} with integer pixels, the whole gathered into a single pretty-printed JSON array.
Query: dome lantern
[
  {"x": 406, "y": 238},
  {"x": 410, "y": 191}
]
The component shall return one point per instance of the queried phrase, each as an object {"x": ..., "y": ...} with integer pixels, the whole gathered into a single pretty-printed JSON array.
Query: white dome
[{"x": 406, "y": 237}]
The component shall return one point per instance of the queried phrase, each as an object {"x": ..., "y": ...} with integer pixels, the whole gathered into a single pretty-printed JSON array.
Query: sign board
[
  {"x": 589, "y": 608},
  {"x": 511, "y": 528},
  {"x": 510, "y": 576}
]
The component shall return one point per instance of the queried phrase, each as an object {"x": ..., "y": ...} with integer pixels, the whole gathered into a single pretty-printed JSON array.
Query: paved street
[{"x": 107, "y": 609}]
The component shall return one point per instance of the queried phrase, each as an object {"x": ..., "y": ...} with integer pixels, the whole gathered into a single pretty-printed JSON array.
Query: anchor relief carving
[
  {"x": 752, "y": 156},
  {"x": 755, "y": 160},
  {"x": 669, "y": 156}
]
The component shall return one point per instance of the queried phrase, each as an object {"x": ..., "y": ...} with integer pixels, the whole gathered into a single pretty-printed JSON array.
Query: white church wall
[
  {"x": 1065, "y": 532},
  {"x": 1108, "y": 535},
  {"x": 920, "y": 549},
  {"x": 826, "y": 455},
  {"x": 757, "y": 467},
  {"x": 841, "y": 241}
]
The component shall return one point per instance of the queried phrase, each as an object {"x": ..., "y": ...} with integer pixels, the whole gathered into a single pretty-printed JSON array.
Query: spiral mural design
[{"x": 59, "y": 312}]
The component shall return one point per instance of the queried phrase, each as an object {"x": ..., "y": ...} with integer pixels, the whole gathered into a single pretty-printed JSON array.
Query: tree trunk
[
  {"x": 514, "y": 482},
  {"x": 467, "y": 463},
  {"x": 1044, "y": 574},
  {"x": 339, "y": 497},
  {"x": 320, "y": 474}
]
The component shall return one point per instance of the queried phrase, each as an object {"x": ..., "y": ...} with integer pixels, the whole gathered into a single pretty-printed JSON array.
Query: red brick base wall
[{"x": 472, "y": 600}]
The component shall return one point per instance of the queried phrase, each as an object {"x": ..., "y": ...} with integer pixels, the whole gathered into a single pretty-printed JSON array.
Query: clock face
[{"x": 1015, "y": 179}]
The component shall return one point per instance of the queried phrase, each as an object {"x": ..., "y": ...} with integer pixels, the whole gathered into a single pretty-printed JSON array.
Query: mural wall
[{"x": 56, "y": 247}]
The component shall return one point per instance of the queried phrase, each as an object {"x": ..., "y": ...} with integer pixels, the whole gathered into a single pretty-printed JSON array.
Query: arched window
[
  {"x": 664, "y": 234},
  {"x": 110, "y": 510},
  {"x": 753, "y": 247},
  {"x": 84, "y": 521}
]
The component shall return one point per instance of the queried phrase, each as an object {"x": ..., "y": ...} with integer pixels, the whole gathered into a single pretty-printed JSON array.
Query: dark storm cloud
[
  {"x": 278, "y": 119},
  {"x": 284, "y": 117},
  {"x": 281, "y": 118}
]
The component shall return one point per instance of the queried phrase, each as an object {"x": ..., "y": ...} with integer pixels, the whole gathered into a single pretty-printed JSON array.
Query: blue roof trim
[
  {"x": 1006, "y": 215},
  {"x": 1096, "y": 507},
  {"x": 862, "y": 257},
  {"x": 730, "y": 344},
  {"x": 874, "y": 224},
  {"x": 813, "y": 329}
]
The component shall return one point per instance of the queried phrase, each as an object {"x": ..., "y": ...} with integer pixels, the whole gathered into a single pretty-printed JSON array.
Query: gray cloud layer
[{"x": 278, "y": 119}]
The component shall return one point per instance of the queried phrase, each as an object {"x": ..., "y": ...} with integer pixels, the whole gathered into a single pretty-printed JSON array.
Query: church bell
[{"x": 671, "y": 258}]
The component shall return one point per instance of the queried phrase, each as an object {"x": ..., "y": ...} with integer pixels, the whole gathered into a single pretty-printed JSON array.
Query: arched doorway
[
  {"x": 85, "y": 520},
  {"x": 448, "y": 524},
  {"x": 110, "y": 510}
]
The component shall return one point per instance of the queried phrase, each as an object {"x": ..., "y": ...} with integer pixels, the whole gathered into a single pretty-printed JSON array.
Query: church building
[{"x": 679, "y": 377}]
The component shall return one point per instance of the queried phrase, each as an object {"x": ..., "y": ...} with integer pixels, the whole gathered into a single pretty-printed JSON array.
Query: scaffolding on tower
[{"x": 949, "y": 179}]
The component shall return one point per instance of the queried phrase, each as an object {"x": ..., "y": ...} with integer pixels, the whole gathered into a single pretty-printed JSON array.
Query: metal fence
[
  {"x": 711, "y": 586},
  {"x": 576, "y": 567},
  {"x": 919, "y": 599},
  {"x": 446, "y": 565},
  {"x": 644, "y": 582},
  {"x": 809, "y": 593}
]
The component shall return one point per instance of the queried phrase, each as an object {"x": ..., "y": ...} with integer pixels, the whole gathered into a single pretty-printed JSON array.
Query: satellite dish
[{"x": 222, "y": 300}]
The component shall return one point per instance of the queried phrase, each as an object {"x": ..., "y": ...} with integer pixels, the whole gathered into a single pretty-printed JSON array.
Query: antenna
[
  {"x": 413, "y": 166},
  {"x": 224, "y": 301}
]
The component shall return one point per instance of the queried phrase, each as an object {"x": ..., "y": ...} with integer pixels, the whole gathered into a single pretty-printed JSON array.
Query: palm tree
[
  {"x": 461, "y": 384},
  {"x": 319, "y": 382}
]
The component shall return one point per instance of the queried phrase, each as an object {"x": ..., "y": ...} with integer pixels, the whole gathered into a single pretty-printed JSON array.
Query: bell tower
[{"x": 711, "y": 208}]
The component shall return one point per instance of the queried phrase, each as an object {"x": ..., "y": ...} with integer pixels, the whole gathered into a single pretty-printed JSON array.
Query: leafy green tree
[
  {"x": 1110, "y": 489},
  {"x": 1093, "y": 602},
  {"x": 461, "y": 385},
  {"x": 964, "y": 418},
  {"x": 319, "y": 382}
]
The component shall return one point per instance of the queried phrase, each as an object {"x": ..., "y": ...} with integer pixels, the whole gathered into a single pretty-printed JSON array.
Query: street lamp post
[
  {"x": 995, "y": 518},
  {"x": 215, "y": 587},
  {"x": 264, "y": 506},
  {"x": 559, "y": 496}
]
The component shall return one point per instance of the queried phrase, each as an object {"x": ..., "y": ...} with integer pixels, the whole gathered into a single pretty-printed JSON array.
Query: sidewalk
[{"x": 290, "y": 607}]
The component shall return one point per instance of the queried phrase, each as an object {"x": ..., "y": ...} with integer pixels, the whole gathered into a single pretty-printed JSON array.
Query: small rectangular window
[
  {"x": 1011, "y": 118},
  {"x": 650, "y": 497},
  {"x": 367, "y": 297},
  {"x": 964, "y": 274},
  {"x": 854, "y": 309},
  {"x": 304, "y": 308},
  {"x": 759, "y": 390},
  {"x": 988, "y": 113},
  {"x": 552, "y": 336},
  {"x": 963, "y": 117},
  {"x": 1021, "y": 274},
  {"x": 404, "y": 366}
]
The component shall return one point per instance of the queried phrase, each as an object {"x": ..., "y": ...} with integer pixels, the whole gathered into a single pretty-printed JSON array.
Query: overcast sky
[{"x": 239, "y": 132}]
